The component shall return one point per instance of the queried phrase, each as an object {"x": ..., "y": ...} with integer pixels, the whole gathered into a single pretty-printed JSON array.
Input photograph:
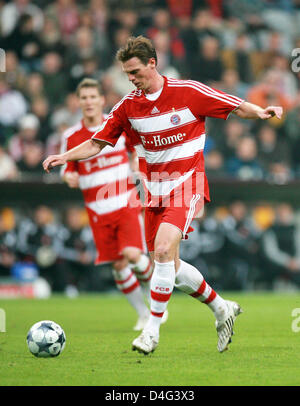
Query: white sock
[
  {"x": 128, "y": 284},
  {"x": 162, "y": 284},
  {"x": 189, "y": 280},
  {"x": 143, "y": 271}
]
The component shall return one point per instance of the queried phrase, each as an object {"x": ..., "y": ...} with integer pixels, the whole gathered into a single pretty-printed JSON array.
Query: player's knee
[
  {"x": 119, "y": 265},
  {"x": 132, "y": 255},
  {"x": 163, "y": 252}
]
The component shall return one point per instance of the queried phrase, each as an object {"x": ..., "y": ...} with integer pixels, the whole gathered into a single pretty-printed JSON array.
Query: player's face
[
  {"x": 91, "y": 102},
  {"x": 139, "y": 74}
]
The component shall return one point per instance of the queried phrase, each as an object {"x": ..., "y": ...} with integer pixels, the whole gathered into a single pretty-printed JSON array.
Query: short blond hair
[
  {"x": 88, "y": 82},
  {"x": 139, "y": 47}
]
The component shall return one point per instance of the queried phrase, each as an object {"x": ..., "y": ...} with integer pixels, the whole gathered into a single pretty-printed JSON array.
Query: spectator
[
  {"x": 39, "y": 241},
  {"x": 129, "y": 19},
  {"x": 208, "y": 67},
  {"x": 40, "y": 108},
  {"x": 100, "y": 13},
  {"x": 288, "y": 82},
  {"x": 204, "y": 25},
  {"x": 184, "y": 9},
  {"x": 66, "y": 15},
  {"x": 15, "y": 75},
  {"x": 245, "y": 165},
  {"x": 34, "y": 88},
  {"x": 25, "y": 42},
  {"x": 291, "y": 130},
  {"x": 166, "y": 63},
  {"x": 30, "y": 163},
  {"x": 77, "y": 250},
  {"x": 274, "y": 42},
  {"x": 281, "y": 247},
  {"x": 8, "y": 168},
  {"x": 268, "y": 91},
  {"x": 12, "y": 12},
  {"x": 50, "y": 38},
  {"x": 249, "y": 12},
  {"x": 231, "y": 84},
  {"x": 112, "y": 97},
  {"x": 263, "y": 216},
  {"x": 69, "y": 113},
  {"x": 53, "y": 143},
  {"x": 82, "y": 48},
  {"x": 279, "y": 173},
  {"x": 272, "y": 149},
  {"x": 90, "y": 68},
  {"x": 162, "y": 22},
  {"x": 115, "y": 80},
  {"x": 119, "y": 39},
  {"x": 28, "y": 130},
  {"x": 8, "y": 242},
  {"x": 214, "y": 165},
  {"x": 55, "y": 83},
  {"x": 233, "y": 132},
  {"x": 240, "y": 249},
  {"x": 12, "y": 107},
  {"x": 239, "y": 58}
]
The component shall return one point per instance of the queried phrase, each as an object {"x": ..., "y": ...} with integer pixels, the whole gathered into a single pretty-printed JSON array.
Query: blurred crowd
[
  {"x": 239, "y": 247},
  {"x": 243, "y": 47},
  {"x": 37, "y": 243}
]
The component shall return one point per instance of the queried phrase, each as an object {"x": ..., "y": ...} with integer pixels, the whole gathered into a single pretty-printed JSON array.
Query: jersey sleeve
[
  {"x": 209, "y": 102},
  {"x": 113, "y": 126}
]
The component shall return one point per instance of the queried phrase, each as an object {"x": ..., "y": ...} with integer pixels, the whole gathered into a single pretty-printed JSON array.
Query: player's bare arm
[
  {"x": 252, "y": 111},
  {"x": 83, "y": 151}
]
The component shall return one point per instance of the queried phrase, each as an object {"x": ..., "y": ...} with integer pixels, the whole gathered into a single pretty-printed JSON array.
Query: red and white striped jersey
[
  {"x": 104, "y": 179},
  {"x": 169, "y": 132}
]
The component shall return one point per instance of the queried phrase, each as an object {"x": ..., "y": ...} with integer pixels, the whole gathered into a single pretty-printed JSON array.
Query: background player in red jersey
[
  {"x": 117, "y": 228},
  {"x": 168, "y": 117}
]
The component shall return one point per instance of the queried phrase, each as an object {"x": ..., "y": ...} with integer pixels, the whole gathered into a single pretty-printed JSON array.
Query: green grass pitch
[{"x": 264, "y": 351}]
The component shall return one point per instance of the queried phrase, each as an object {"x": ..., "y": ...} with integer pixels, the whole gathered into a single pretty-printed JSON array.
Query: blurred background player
[{"x": 107, "y": 188}]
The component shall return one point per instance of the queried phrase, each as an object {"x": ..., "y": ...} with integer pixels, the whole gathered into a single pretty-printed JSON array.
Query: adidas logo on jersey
[{"x": 155, "y": 110}]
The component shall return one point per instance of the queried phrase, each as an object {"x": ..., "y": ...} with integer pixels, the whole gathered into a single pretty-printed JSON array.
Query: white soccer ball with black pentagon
[{"x": 46, "y": 339}]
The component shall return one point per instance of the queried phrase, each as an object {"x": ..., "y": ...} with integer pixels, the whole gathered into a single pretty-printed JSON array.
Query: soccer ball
[{"x": 46, "y": 339}]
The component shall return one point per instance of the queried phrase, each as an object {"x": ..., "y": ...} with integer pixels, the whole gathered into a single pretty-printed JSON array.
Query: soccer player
[
  {"x": 168, "y": 119},
  {"x": 117, "y": 228}
]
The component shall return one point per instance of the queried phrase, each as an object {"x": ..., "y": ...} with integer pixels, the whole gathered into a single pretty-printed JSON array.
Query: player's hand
[
  {"x": 52, "y": 161},
  {"x": 271, "y": 111},
  {"x": 72, "y": 179}
]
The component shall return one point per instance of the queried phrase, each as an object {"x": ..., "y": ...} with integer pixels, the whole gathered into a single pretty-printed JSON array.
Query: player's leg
[
  {"x": 128, "y": 284},
  {"x": 190, "y": 281},
  {"x": 162, "y": 283},
  {"x": 141, "y": 265},
  {"x": 106, "y": 239},
  {"x": 132, "y": 245}
]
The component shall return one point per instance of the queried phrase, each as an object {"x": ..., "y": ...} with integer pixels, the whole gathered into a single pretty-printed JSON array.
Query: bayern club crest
[{"x": 175, "y": 119}]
